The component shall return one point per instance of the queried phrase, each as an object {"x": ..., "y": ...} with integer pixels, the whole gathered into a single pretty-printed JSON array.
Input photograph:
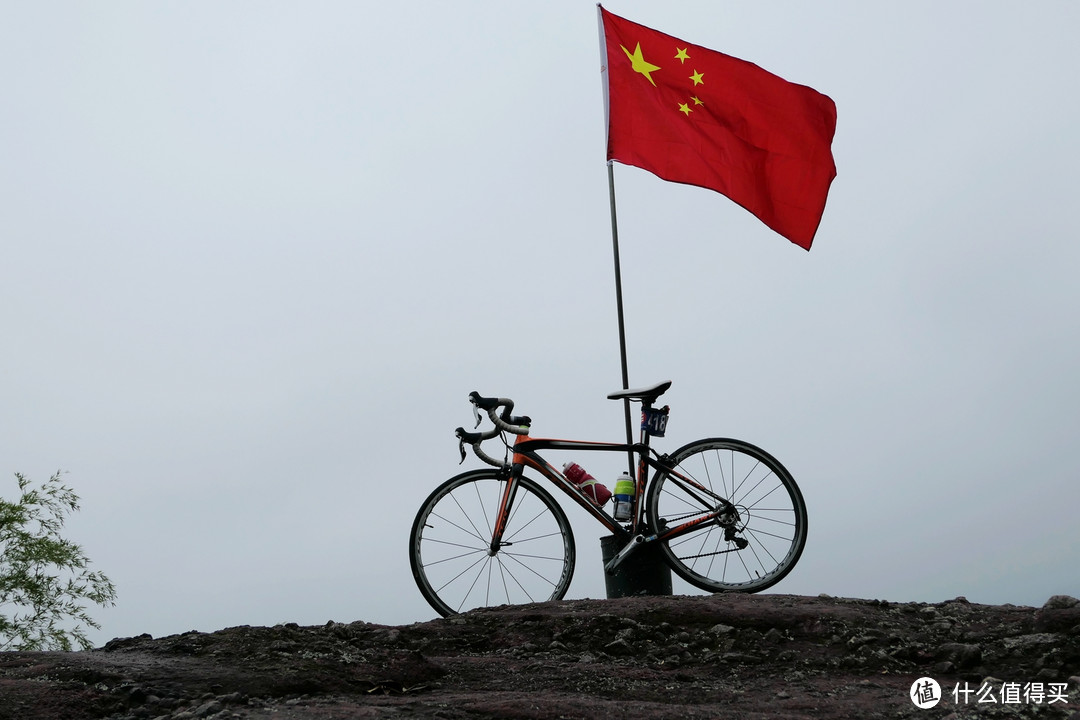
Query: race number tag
[{"x": 654, "y": 421}]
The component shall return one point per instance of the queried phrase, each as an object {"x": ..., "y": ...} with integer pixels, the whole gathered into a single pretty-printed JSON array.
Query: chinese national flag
[{"x": 697, "y": 116}]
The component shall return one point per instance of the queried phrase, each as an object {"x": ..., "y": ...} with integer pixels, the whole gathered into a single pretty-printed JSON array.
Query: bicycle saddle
[{"x": 645, "y": 394}]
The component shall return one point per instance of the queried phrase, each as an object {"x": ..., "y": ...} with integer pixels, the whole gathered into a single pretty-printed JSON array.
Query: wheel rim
[
  {"x": 761, "y": 537},
  {"x": 453, "y": 561}
]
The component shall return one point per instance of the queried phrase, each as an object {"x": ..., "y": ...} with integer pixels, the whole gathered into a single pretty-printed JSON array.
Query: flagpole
[
  {"x": 615, "y": 247},
  {"x": 619, "y": 310}
]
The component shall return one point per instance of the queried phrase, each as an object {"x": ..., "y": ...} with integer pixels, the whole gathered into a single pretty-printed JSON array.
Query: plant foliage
[{"x": 45, "y": 581}]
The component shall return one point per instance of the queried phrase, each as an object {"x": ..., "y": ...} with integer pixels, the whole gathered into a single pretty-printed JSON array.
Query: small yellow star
[
  {"x": 698, "y": 78},
  {"x": 638, "y": 63},
  {"x": 684, "y": 108},
  {"x": 697, "y": 101},
  {"x": 680, "y": 55}
]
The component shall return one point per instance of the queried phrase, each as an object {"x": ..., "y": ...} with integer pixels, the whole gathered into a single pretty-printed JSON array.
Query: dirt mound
[{"x": 735, "y": 656}]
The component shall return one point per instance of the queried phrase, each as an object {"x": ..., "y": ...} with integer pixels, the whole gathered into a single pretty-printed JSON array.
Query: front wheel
[
  {"x": 451, "y": 552},
  {"x": 758, "y": 528}
]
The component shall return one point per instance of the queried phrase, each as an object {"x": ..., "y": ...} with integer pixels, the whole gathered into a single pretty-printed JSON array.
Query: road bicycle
[{"x": 726, "y": 515}]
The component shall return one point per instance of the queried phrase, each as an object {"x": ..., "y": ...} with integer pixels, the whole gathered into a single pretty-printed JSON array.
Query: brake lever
[
  {"x": 461, "y": 449},
  {"x": 476, "y": 414}
]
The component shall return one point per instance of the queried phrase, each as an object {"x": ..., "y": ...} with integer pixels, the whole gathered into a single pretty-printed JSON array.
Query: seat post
[{"x": 646, "y": 405}]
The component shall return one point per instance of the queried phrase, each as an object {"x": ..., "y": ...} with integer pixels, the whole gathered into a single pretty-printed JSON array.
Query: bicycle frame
[{"x": 526, "y": 454}]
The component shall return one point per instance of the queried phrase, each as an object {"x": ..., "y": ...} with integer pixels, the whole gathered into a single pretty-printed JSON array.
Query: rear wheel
[
  {"x": 450, "y": 546},
  {"x": 760, "y": 535}
]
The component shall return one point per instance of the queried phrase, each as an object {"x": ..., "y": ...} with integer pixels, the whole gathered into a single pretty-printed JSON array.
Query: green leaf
[{"x": 45, "y": 581}]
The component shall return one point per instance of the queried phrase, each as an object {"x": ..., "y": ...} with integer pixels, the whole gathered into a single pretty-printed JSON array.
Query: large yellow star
[{"x": 638, "y": 63}]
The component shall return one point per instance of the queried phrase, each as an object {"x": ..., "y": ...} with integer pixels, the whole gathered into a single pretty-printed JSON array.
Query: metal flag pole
[
  {"x": 615, "y": 248},
  {"x": 619, "y": 310}
]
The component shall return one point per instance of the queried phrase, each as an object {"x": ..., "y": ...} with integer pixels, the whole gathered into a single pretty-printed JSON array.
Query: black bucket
[{"x": 643, "y": 572}]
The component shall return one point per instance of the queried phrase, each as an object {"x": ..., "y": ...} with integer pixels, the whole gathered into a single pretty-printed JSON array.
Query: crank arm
[{"x": 631, "y": 546}]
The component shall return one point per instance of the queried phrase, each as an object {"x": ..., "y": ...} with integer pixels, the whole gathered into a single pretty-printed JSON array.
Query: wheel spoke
[
  {"x": 468, "y": 517},
  {"x": 467, "y": 569},
  {"x": 474, "y": 532},
  {"x": 543, "y": 578},
  {"x": 473, "y": 584},
  {"x": 542, "y": 513},
  {"x": 534, "y": 538},
  {"x": 453, "y": 557},
  {"x": 758, "y": 531}
]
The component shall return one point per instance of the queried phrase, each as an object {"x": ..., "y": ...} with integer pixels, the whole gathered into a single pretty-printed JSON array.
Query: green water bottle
[{"x": 624, "y": 498}]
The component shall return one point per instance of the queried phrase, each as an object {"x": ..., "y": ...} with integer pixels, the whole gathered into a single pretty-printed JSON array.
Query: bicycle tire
[
  {"x": 709, "y": 556},
  {"x": 449, "y": 545}
]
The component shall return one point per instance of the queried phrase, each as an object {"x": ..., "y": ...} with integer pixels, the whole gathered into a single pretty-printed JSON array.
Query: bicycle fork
[{"x": 503, "y": 514}]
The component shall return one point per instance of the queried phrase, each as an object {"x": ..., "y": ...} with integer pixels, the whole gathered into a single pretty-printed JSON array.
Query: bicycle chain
[
  {"x": 694, "y": 557},
  {"x": 683, "y": 517},
  {"x": 718, "y": 552}
]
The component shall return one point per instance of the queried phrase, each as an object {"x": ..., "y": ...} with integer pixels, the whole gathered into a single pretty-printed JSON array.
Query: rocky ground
[{"x": 726, "y": 656}]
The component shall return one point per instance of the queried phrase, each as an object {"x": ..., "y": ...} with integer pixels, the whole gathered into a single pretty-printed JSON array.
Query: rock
[
  {"x": 234, "y": 698},
  {"x": 1061, "y": 613},
  {"x": 1060, "y": 602},
  {"x": 120, "y": 643},
  {"x": 962, "y": 655},
  {"x": 1029, "y": 643},
  {"x": 209, "y": 708},
  {"x": 734, "y": 657}
]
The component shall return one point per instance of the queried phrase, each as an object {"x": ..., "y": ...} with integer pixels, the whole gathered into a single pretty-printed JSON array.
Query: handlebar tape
[{"x": 490, "y": 404}]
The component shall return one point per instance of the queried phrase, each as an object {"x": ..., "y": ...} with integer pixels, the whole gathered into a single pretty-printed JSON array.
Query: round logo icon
[{"x": 925, "y": 693}]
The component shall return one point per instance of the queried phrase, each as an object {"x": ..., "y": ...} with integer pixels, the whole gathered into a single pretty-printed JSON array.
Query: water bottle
[
  {"x": 593, "y": 490},
  {"x": 624, "y": 498}
]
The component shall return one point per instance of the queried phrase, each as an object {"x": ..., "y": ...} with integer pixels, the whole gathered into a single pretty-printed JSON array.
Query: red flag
[{"x": 700, "y": 117}]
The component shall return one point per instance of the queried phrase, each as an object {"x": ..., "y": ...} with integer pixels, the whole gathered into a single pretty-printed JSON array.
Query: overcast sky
[{"x": 254, "y": 257}]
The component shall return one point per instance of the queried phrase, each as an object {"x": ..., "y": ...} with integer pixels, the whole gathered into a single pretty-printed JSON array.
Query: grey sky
[{"x": 255, "y": 256}]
